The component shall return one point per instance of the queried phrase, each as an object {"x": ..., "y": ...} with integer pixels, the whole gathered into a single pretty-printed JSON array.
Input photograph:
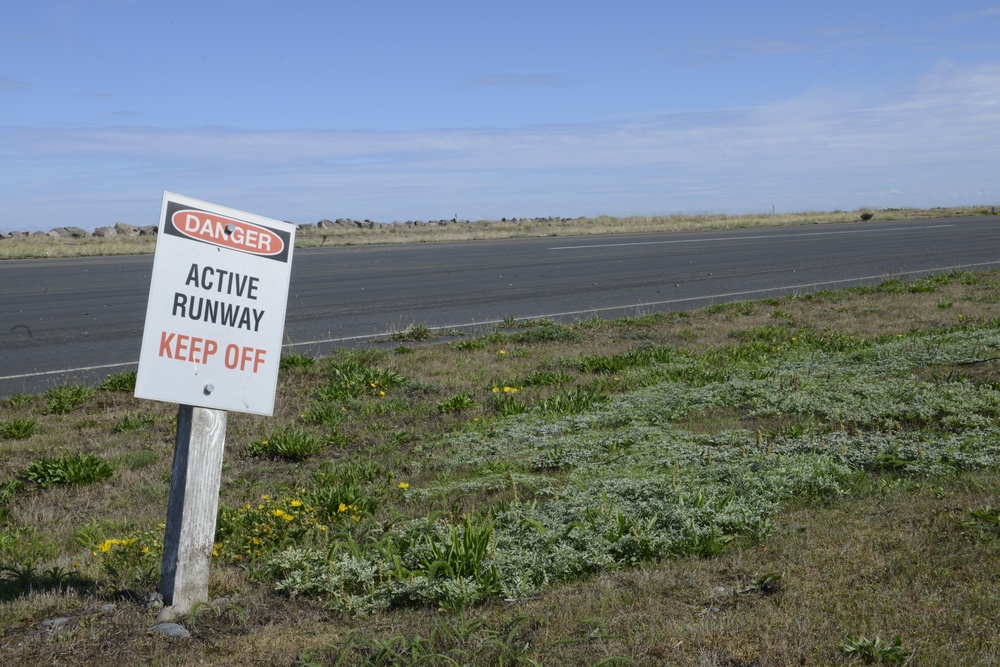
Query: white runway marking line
[
  {"x": 567, "y": 313},
  {"x": 744, "y": 238}
]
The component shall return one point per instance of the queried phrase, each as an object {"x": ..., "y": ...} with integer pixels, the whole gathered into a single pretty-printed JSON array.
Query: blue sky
[{"x": 394, "y": 110}]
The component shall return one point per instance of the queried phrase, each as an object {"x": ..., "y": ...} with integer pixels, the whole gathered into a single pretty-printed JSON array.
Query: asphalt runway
[{"x": 77, "y": 320}]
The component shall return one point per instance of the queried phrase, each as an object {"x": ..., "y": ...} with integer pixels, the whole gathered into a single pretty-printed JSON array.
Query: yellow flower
[
  {"x": 297, "y": 503},
  {"x": 278, "y": 513},
  {"x": 288, "y": 517},
  {"x": 496, "y": 390},
  {"x": 265, "y": 497},
  {"x": 404, "y": 486},
  {"x": 356, "y": 517},
  {"x": 342, "y": 508},
  {"x": 510, "y": 390}
]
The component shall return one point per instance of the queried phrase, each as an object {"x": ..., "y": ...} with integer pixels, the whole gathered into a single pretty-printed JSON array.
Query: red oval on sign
[{"x": 227, "y": 232}]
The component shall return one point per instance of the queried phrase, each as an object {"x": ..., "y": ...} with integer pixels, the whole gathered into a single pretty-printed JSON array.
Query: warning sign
[{"x": 216, "y": 313}]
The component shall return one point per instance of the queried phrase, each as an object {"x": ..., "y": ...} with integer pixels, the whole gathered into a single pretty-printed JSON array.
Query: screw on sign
[{"x": 211, "y": 343}]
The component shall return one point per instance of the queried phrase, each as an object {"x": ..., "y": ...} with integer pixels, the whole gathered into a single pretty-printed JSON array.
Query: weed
[
  {"x": 574, "y": 401},
  {"x": 133, "y": 422},
  {"x": 18, "y": 400},
  {"x": 290, "y": 443},
  {"x": 457, "y": 403},
  {"x": 17, "y": 428},
  {"x": 65, "y": 399},
  {"x": 545, "y": 378},
  {"x": 874, "y": 651},
  {"x": 123, "y": 382},
  {"x": 505, "y": 402},
  {"x": 323, "y": 413},
  {"x": 296, "y": 360},
  {"x": 78, "y": 469},
  {"x": 414, "y": 332},
  {"x": 545, "y": 333}
]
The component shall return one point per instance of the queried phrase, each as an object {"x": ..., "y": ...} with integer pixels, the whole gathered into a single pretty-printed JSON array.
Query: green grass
[{"x": 717, "y": 487}]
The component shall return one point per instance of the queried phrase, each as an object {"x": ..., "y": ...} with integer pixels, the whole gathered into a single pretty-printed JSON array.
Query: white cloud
[{"x": 828, "y": 148}]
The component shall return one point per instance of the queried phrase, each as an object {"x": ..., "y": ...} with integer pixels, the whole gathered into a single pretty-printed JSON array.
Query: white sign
[{"x": 216, "y": 312}]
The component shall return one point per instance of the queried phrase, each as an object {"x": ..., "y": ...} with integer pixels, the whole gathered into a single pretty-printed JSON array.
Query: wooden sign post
[
  {"x": 192, "y": 509},
  {"x": 211, "y": 343}
]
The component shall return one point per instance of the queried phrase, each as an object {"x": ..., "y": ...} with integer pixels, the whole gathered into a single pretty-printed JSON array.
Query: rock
[
  {"x": 172, "y": 630},
  {"x": 105, "y": 231},
  {"x": 325, "y": 224},
  {"x": 126, "y": 229},
  {"x": 18, "y": 235},
  {"x": 39, "y": 234},
  {"x": 77, "y": 232},
  {"x": 4, "y": 235},
  {"x": 153, "y": 601},
  {"x": 108, "y": 608},
  {"x": 53, "y": 625},
  {"x": 147, "y": 230},
  {"x": 343, "y": 222},
  {"x": 55, "y": 234}
]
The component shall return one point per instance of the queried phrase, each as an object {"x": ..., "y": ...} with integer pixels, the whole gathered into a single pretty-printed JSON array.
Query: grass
[
  {"x": 310, "y": 236},
  {"x": 805, "y": 480}
]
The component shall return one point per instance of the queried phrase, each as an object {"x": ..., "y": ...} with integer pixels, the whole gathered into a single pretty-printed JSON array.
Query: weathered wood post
[{"x": 191, "y": 511}]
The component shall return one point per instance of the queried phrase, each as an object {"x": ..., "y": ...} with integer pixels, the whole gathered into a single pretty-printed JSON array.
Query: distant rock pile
[
  {"x": 126, "y": 230},
  {"x": 120, "y": 229}
]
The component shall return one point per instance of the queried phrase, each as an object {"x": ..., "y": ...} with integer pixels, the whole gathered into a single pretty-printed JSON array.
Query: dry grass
[
  {"x": 894, "y": 557},
  {"x": 310, "y": 236}
]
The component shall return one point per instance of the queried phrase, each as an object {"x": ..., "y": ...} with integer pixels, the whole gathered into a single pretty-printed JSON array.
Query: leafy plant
[
  {"x": 78, "y": 469},
  {"x": 296, "y": 360},
  {"x": 463, "y": 552},
  {"x": 133, "y": 422},
  {"x": 124, "y": 382},
  {"x": 290, "y": 443},
  {"x": 545, "y": 333},
  {"x": 17, "y": 428},
  {"x": 18, "y": 400},
  {"x": 456, "y": 403},
  {"x": 574, "y": 401},
  {"x": 874, "y": 651},
  {"x": 414, "y": 332},
  {"x": 133, "y": 560},
  {"x": 65, "y": 399},
  {"x": 352, "y": 378}
]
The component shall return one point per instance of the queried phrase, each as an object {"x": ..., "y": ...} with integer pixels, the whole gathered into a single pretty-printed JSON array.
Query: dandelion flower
[{"x": 404, "y": 486}]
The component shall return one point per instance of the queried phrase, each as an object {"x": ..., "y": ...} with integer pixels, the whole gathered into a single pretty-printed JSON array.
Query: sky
[{"x": 389, "y": 110}]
